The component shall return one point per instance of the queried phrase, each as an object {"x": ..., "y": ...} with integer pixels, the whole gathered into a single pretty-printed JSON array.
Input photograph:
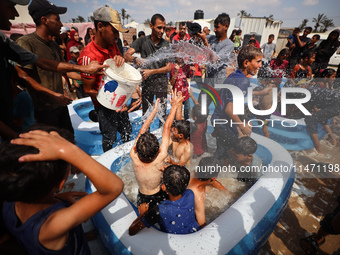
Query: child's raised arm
[
  {"x": 175, "y": 102},
  {"x": 179, "y": 108},
  {"x": 149, "y": 120},
  {"x": 54, "y": 232}
]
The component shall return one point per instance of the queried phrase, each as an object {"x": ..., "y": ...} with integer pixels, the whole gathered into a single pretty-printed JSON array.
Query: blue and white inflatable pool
[
  {"x": 87, "y": 133},
  {"x": 241, "y": 229}
]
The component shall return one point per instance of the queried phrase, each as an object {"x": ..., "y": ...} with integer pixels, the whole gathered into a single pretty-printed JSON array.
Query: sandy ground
[{"x": 313, "y": 196}]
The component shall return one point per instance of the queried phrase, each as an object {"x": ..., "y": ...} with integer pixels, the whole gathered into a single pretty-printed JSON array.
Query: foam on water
[{"x": 217, "y": 201}]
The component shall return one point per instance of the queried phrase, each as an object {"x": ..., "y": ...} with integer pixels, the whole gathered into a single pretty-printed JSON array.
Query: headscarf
[{"x": 71, "y": 43}]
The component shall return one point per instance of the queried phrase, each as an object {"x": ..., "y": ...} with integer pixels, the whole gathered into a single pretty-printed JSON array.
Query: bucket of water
[{"x": 117, "y": 85}]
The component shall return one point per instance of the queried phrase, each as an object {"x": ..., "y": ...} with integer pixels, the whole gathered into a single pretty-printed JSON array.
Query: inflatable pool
[
  {"x": 87, "y": 133},
  {"x": 241, "y": 229}
]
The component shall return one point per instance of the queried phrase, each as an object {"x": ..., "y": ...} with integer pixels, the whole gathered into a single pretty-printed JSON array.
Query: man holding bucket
[{"x": 103, "y": 46}]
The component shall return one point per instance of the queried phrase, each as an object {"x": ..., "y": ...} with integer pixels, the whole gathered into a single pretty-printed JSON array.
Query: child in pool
[
  {"x": 33, "y": 168},
  {"x": 203, "y": 178},
  {"x": 148, "y": 157},
  {"x": 176, "y": 215},
  {"x": 241, "y": 155},
  {"x": 181, "y": 145}
]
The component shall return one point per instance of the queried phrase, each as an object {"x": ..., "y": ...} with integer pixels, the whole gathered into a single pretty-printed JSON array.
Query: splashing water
[
  {"x": 216, "y": 200},
  {"x": 191, "y": 54}
]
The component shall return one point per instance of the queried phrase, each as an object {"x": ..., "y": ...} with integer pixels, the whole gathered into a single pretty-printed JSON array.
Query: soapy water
[{"x": 217, "y": 201}]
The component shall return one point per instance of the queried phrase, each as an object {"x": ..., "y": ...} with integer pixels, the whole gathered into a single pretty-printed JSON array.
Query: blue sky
[{"x": 291, "y": 12}]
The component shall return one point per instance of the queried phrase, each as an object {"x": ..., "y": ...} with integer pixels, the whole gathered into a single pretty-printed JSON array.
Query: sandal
[{"x": 310, "y": 245}]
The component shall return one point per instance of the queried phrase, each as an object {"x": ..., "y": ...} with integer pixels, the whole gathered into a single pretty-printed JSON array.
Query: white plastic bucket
[{"x": 117, "y": 85}]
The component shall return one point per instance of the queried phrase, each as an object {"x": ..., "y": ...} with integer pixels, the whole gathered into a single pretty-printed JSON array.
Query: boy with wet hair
[
  {"x": 249, "y": 61},
  {"x": 148, "y": 157},
  {"x": 181, "y": 145},
  {"x": 241, "y": 155},
  {"x": 198, "y": 184},
  {"x": 176, "y": 215},
  {"x": 33, "y": 168}
]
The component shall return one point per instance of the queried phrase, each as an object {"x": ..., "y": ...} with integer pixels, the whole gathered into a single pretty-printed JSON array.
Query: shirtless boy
[
  {"x": 181, "y": 146},
  {"x": 148, "y": 157}
]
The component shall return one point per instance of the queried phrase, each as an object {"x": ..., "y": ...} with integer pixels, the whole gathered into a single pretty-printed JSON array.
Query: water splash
[{"x": 189, "y": 52}]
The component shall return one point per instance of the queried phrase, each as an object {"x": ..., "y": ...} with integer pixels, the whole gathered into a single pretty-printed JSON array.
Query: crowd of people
[{"x": 35, "y": 160}]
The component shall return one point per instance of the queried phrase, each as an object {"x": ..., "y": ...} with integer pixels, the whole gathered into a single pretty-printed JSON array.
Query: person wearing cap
[
  {"x": 48, "y": 110},
  {"x": 155, "y": 79},
  {"x": 11, "y": 51},
  {"x": 102, "y": 47},
  {"x": 62, "y": 40},
  {"x": 182, "y": 34}
]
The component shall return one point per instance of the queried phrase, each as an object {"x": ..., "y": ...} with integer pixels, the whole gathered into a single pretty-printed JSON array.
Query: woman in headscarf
[
  {"x": 73, "y": 42},
  {"x": 88, "y": 36},
  {"x": 326, "y": 50}
]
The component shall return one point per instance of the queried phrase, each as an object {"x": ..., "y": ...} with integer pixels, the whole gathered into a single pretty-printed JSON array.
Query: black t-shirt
[
  {"x": 296, "y": 53},
  {"x": 146, "y": 47},
  {"x": 9, "y": 50}
]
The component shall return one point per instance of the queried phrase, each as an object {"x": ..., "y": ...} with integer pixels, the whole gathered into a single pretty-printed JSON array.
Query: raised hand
[{"x": 51, "y": 145}]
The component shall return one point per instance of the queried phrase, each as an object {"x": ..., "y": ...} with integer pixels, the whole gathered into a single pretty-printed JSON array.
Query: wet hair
[
  {"x": 197, "y": 113},
  {"x": 327, "y": 73},
  {"x": 155, "y": 17},
  {"x": 245, "y": 145},
  {"x": 176, "y": 179},
  {"x": 147, "y": 147},
  {"x": 183, "y": 127},
  {"x": 222, "y": 19},
  {"x": 317, "y": 36},
  {"x": 208, "y": 164},
  {"x": 271, "y": 35},
  {"x": 96, "y": 22},
  {"x": 247, "y": 53},
  {"x": 141, "y": 33},
  {"x": 309, "y": 28},
  {"x": 29, "y": 182}
]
